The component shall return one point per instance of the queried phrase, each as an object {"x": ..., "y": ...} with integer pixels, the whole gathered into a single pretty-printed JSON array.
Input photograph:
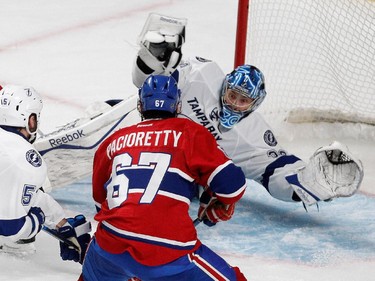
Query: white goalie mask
[{"x": 17, "y": 104}]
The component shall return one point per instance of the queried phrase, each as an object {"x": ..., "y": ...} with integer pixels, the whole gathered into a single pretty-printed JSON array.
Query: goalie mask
[
  {"x": 159, "y": 93},
  {"x": 17, "y": 105},
  {"x": 242, "y": 92}
]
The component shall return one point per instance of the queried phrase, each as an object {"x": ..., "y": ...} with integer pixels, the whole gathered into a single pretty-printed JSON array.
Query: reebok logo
[{"x": 67, "y": 138}]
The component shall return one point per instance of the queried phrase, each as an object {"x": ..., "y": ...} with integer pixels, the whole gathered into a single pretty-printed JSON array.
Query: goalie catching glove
[
  {"x": 333, "y": 171},
  {"x": 160, "y": 47},
  {"x": 211, "y": 210},
  {"x": 77, "y": 231}
]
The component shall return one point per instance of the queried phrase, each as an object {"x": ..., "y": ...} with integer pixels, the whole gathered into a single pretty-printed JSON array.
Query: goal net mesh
[{"x": 318, "y": 58}]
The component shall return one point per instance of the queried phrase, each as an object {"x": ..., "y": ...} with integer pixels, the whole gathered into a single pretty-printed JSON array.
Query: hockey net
[{"x": 318, "y": 58}]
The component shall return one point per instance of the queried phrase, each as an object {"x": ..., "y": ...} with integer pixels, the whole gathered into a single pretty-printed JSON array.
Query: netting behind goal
[{"x": 318, "y": 57}]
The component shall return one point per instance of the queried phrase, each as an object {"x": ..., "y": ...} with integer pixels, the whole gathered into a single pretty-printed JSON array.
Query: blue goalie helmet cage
[
  {"x": 247, "y": 80},
  {"x": 161, "y": 93}
]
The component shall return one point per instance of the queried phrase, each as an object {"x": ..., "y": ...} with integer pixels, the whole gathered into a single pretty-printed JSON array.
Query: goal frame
[
  {"x": 322, "y": 87},
  {"x": 241, "y": 32}
]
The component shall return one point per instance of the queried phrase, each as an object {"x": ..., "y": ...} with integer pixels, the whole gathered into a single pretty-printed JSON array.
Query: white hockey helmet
[{"x": 17, "y": 103}]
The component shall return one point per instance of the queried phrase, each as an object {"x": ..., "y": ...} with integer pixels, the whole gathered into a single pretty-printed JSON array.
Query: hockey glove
[
  {"x": 159, "y": 53},
  {"x": 160, "y": 47},
  {"x": 160, "y": 44},
  {"x": 212, "y": 210},
  {"x": 77, "y": 231},
  {"x": 333, "y": 171}
]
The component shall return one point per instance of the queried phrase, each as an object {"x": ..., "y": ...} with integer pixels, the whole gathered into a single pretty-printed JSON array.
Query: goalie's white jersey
[
  {"x": 250, "y": 143},
  {"x": 22, "y": 174}
]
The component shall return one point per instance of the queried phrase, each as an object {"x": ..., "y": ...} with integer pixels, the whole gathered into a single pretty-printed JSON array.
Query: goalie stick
[
  {"x": 59, "y": 237},
  {"x": 69, "y": 150}
]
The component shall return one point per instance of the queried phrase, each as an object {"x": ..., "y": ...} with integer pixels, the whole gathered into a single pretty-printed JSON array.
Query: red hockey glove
[{"x": 212, "y": 211}]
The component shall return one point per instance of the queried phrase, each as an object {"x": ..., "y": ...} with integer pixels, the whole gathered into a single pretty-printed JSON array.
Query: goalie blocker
[
  {"x": 333, "y": 171},
  {"x": 160, "y": 45}
]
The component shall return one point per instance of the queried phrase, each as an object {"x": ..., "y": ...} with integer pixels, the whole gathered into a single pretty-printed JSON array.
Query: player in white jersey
[
  {"x": 24, "y": 206},
  {"x": 226, "y": 104}
]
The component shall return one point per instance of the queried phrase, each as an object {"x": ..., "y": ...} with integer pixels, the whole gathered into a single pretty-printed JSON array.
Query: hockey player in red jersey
[{"x": 144, "y": 178}]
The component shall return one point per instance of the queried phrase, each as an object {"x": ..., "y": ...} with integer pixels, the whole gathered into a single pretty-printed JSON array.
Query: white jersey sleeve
[
  {"x": 251, "y": 143},
  {"x": 22, "y": 173}
]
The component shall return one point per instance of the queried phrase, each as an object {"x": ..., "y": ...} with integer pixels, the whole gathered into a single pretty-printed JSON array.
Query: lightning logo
[{"x": 34, "y": 158}]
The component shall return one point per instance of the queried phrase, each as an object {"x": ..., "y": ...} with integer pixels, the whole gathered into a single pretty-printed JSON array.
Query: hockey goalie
[{"x": 226, "y": 105}]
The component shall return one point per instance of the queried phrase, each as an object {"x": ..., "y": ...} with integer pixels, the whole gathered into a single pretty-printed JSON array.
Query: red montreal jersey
[{"x": 144, "y": 179}]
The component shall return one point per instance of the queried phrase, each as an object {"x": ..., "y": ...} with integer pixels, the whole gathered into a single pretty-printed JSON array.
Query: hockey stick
[
  {"x": 197, "y": 221},
  {"x": 210, "y": 202},
  {"x": 58, "y": 236}
]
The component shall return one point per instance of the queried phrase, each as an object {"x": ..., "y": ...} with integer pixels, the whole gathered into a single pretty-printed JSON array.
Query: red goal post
[
  {"x": 318, "y": 57},
  {"x": 241, "y": 33}
]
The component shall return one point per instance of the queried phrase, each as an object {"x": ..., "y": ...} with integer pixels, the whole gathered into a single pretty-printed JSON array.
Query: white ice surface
[{"x": 75, "y": 52}]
